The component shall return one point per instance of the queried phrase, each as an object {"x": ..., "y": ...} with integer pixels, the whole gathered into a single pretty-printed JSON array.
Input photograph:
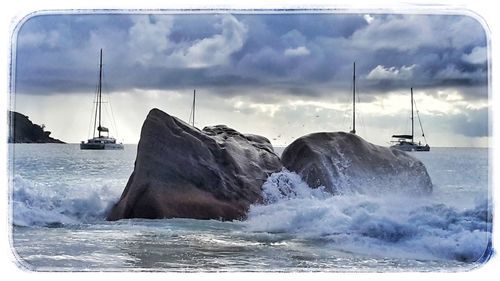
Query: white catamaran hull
[
  {"x": 101, "y": 146},
  {"x": 101, "y": 143},
  {"x": 407, "y": 146},
  {"x": 404, "y": 147}
]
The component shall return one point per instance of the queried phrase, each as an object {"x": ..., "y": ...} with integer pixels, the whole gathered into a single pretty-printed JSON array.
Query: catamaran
[
  {"x": 407, "y": 142},
  {"x": 102, "y": 141}
]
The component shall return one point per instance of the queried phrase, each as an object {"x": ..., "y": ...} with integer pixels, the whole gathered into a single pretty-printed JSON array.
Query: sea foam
[
  {"x": 392, "y": 226},
  {"x": 36, "y": 204}
]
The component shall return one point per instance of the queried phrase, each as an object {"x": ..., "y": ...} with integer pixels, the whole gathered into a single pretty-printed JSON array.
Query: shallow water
[
  {"x": 188, "y": 245},
  {"x": 61, "y": 195}
]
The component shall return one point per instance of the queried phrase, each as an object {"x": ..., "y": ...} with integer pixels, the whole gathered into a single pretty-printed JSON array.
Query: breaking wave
[
  {"x": 392, "y": 226},
  {"x": 35, "y": 204}
]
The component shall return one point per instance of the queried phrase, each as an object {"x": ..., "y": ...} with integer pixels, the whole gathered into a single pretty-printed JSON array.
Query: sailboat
[
  {"x": 102, "y": 141},
  {"x": 407, "y": 142}
]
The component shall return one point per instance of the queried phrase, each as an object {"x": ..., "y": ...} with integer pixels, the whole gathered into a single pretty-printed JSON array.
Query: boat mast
[
  {"x": 353, "y": 131},
  {"x": 194, "y": 103},
  {"x": 99, "y": 92},
  {"x": 411, "y": 90}
]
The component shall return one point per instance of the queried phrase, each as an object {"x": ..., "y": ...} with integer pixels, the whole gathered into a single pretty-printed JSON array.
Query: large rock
[
  {"x": 345, "y": 163},
  {"x": 183, "y": 172}
]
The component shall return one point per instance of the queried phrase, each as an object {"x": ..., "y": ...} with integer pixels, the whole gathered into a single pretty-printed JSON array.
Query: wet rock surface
[
  {"x": 344, "y": 163},
  {"x": 181, "y": 171}
]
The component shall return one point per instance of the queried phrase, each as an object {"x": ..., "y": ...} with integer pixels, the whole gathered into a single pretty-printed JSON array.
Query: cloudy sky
[{"x": 279, "y": 75}]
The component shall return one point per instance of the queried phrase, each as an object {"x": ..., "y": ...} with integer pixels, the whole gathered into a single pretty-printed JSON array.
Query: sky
[{"x": 281, "y": 75}]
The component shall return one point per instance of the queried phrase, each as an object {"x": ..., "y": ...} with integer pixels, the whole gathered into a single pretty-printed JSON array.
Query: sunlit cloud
[
  {"x": 476, "y": 56},
  {"x": 382, "y": 72},
  {"x": 368, "y": 18},
  {"x": 297, "y": 52}
]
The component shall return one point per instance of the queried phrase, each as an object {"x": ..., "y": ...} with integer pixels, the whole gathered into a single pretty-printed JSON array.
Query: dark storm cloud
[{"x": 293, "y": 54}]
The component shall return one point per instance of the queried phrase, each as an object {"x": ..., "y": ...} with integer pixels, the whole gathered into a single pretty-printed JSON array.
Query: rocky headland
[{"x": 22, "y": 130}]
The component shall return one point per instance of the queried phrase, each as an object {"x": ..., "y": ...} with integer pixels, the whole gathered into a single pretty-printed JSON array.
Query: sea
[{"x": 59, "y": 197}]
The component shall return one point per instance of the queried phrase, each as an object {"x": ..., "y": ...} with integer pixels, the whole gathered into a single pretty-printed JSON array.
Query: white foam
[
  {"x": 383, "y": 226},
  {"x": 36, "y": 204},
  {"x": 288, "y": 185}
]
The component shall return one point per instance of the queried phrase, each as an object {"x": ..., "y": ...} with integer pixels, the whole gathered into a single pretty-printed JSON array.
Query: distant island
[{"x": 22, "y": 130}]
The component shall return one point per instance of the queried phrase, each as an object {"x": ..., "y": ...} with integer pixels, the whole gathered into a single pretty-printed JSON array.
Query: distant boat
[
  {"x": 101, "y": 141},
  {"x": 407, "y": 142}
]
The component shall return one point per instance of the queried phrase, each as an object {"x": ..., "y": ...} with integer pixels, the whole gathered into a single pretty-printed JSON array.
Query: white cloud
[
  {"x": 214, "y": 50},
  {"x": 368, "y": 18},
  {"x": 293, "y": 38},
  {"x": 401, "y": 33},
  {"x": 149, "y": 37},
  {"x": 476, "y": 56},
  {"x": 297, "y": 52},
  {"x": 37, "y": 39},
  {"x": 411, "y": 32},
  {"x": 382, "y": 72},
  {"x": 31, "y": 39},
  {"x": 150, "y": 42}
]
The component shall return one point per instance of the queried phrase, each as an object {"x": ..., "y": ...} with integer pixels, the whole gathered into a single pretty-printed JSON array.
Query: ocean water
[{"x": 60, "y": 195}]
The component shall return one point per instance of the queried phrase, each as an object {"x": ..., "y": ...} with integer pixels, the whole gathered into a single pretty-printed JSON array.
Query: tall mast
[
  {"x": 99, "y": 92},
  {"x": 411, "y": 90},
  {"x": 354, "y": 99},
  {"x": 194, "y": 103}
]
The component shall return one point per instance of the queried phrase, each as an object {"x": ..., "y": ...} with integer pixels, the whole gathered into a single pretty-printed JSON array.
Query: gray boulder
[
  {"x": 345, "y": 163},
  {"x": 183, "y": 172}
]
